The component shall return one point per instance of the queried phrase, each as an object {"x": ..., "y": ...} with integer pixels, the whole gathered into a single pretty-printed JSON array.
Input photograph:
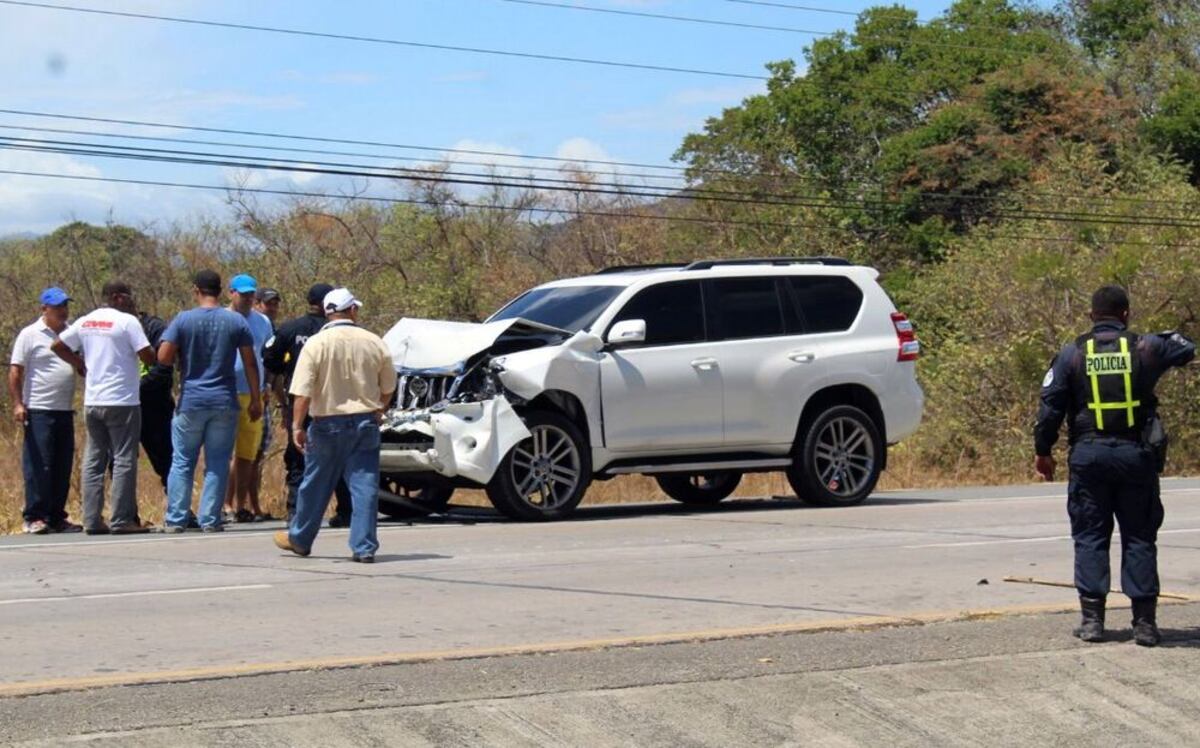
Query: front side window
[
  {"x": 745, "y": 308},
  {"x": 674, "y": 313}
]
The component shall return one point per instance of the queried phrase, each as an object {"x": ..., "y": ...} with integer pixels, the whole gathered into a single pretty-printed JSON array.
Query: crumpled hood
[{"x": 435, "y": 344}]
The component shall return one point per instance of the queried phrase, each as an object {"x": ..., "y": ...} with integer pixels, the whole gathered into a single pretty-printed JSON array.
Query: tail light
[{"x": 910, "y": 347}]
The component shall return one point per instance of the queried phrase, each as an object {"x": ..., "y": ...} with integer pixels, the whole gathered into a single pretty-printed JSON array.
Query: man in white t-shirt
[
  {"x": 41, "y": 387},
  {"x": 111, "y": 342}
]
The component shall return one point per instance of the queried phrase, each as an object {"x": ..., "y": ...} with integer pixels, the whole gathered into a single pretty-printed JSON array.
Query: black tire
[
  {"x": 700, "y": 489},
  {"x": 824, "y": 471},
  {"x": 418, "y": 497},
  {"x": 534, "y": 480}
]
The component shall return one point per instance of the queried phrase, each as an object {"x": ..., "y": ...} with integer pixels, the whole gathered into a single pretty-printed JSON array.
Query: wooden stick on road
[{"x": 1049, "y": 583}]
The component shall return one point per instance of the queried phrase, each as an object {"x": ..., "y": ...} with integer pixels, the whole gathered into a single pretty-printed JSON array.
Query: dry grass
[{"x": 904, "y": 472}]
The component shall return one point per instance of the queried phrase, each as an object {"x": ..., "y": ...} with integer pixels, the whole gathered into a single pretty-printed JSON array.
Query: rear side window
[
  {"x": 674, "y": 313},
  {"x": 823, "y": 303},
  {"x": 742, "y": 308}
]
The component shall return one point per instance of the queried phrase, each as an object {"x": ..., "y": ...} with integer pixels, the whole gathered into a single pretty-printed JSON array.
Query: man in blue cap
[
  {"x": 42, "y": 389},
  {"x": 238, "y": 498}
]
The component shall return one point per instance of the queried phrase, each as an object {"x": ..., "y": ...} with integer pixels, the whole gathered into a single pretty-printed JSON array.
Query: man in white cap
[{"x": 345, "y": 379}]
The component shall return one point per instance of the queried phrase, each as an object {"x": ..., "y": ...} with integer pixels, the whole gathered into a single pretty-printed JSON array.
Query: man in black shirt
[
  {"x": 158, "y": 402},
  {"x": 279, "y": 358}
]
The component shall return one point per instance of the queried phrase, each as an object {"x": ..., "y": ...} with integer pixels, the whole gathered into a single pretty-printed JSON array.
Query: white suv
[{"x": 695, "y": 374}]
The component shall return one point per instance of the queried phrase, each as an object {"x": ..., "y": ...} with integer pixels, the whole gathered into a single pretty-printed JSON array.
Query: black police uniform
[
  {"x": 279, "y": 357},
  {"x": 158, "y": 403},
  {"x": 1103, "y": 385}
]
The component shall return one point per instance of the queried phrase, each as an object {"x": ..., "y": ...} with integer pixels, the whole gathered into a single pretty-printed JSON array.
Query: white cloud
[{"x": 682, "y": 110}]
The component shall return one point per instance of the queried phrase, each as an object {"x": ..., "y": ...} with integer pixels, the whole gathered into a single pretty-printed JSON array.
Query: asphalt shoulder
[{"x": 1010, "y": 679}]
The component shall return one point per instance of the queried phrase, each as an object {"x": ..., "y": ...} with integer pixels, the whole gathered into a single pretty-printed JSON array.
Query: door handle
[
  {"x": 802, "y": 357},
  {"x": 704, "y": 364}
]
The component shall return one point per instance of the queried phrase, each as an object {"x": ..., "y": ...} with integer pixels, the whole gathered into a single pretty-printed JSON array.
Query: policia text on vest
[{"x": 1102, "y": 385}]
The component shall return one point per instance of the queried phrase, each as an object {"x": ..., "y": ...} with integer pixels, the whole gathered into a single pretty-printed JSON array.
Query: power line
[
  {"x": 522, "y": 209},
  {"x": 379, "y": 40},
  {"x": 546, "y": 184},
  {"x": 665, "y": 17},
  {"x": 679, "y": 170}
]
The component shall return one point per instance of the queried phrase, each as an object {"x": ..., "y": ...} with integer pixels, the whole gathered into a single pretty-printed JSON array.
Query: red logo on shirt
[{"x": 97, "y": 324}]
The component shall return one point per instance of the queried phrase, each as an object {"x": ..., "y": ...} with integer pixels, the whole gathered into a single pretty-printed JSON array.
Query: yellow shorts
[{"x": 249, "y": 433}]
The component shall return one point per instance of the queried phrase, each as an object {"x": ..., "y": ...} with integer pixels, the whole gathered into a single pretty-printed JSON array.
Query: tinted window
[
  {"x": 826, "y": 303},
  {"x": 674, "y": 313},
  {"x": 571, "y": 308},
  {"x": 745, "y": 308}
]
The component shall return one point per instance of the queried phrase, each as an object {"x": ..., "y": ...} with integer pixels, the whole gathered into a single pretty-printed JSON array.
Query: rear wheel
[
  {"x": 838, "y": 459},
  {"x": 545, "y": 476},
  {"x": 699, "y": 488},
  {"x": 412, "y": 496}
]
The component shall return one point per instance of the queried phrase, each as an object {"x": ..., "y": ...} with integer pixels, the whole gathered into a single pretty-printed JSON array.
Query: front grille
[
  {"x": 423, "y": 391},
  {"x": 407, "y": 440}
]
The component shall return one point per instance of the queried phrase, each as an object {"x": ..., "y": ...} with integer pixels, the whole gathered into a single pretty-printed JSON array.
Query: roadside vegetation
[{"x": 996, "y": 164}]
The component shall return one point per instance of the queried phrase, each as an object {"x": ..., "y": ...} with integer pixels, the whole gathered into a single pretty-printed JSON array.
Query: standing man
[
  {"x": 266, "y": 303},
  {"x": 280, "y": 358},
  {"x": 158, "y": 403},
  {"x": 112, "y": 342},
  {"x": 42, "y": 389},
  {"x": 1103, "y": 384},
  {"x": 205, "y": 341},
  {"x": 242, "y": 290},
  {"x": 345, "y": 378}
]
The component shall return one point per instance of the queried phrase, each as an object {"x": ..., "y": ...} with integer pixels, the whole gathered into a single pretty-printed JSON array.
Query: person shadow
[{"x": 1172, "y": 638}]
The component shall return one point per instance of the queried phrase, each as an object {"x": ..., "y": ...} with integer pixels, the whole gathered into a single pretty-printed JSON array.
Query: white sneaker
[{"x": 36, "y": 527}]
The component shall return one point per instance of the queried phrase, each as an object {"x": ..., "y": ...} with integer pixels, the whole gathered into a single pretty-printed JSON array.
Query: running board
[{"x": 699, "y": 467}]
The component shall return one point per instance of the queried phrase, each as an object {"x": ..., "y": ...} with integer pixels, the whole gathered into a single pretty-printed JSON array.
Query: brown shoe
[
  {"x": 133, "y": 528},
  {"x": 284, "y": 543}
]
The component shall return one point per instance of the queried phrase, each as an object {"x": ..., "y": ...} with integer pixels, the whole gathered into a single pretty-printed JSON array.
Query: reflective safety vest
[{"x": 1109, "y": 386}]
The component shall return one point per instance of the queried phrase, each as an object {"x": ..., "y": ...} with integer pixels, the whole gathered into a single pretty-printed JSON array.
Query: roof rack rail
[
  {"x": 635, "y": 268},
  {"x": 709, "y": 264}
]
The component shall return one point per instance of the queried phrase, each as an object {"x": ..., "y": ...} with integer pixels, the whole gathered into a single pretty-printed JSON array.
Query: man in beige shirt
[{"x": 344, "y": 379}]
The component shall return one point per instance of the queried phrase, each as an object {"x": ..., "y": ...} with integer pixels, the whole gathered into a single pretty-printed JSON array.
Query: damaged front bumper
[{"x": 454, "y": 440}]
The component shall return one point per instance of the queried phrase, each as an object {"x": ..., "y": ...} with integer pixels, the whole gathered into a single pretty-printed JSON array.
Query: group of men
[{"x": 331, "y": 387}]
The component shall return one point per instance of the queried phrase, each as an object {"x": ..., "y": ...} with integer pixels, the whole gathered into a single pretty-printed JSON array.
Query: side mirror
[{"x": 627, "y": 331}]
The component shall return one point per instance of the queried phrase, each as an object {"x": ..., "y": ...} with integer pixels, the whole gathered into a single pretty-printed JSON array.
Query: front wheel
[
  {"x": 700, "y": 488},
  {"x": 838, "y": 459},
  {"x": 545, "y": 476}
]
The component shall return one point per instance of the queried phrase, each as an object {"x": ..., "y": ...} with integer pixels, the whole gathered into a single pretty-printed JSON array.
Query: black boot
[
  {"x": 1145, "y": 627},
  {"x": 1091, "y": 625}
]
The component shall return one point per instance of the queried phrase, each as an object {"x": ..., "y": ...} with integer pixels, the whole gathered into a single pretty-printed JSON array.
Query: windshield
[{"x": 571, "y": 308}]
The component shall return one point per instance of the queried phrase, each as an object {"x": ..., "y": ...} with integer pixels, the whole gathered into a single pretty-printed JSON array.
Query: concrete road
[{"x": 220, "y": 612}]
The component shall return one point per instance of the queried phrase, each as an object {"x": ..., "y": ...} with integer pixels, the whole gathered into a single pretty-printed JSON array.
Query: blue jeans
[
  {"x": 1114, "y": 478},
  {"x": 340, "y": 447},
  {"x": 214, "y": 430},
  {"x": 48, "y": 459}
]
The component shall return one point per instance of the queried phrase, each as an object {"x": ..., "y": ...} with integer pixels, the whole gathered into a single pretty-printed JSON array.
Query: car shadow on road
[{"x": 467, "y": 515}]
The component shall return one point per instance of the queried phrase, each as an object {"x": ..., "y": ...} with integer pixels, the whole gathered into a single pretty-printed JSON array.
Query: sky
[{"x": 122, "y": 68}]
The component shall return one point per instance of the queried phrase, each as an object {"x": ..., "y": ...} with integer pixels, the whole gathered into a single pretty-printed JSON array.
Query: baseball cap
[
  {"x": 316, "y": 294},
  {"x": 266, "y": 294},
  {"x": 54, "y": 296},
  {"x": 339, "y": 300},
  {"x": 243, "y": 284}
]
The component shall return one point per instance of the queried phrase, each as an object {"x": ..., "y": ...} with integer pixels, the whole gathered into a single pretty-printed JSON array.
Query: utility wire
[
  {"x": 543, "y": 184},
  {"x": 871, "y": 183},
  {"x": 558, "y": 211},
  {"x": 666, "y": 17},
  {"x": 379, "y": 40}
]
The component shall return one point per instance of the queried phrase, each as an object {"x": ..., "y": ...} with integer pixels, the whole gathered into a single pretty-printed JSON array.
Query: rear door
[
  {"x": 769, "y": 367},
  {"x": 664, "y": 394}
]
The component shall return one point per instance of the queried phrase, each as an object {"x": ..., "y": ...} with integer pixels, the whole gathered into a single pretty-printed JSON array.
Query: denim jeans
[
  {"x": 293, "y": 462},
  {"x": 214, "y": 430},
  {"x": 48, "y": 459},
  {"x": 340, "y": 447}
]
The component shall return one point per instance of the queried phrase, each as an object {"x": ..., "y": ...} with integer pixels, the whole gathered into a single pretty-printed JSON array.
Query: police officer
[
  {"x": 1103, "y": 384},
  {"x": 279, "y": 358}
]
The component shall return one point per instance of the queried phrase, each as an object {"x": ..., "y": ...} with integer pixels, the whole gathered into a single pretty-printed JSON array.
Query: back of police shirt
[
  {"x": 110, "y": 341},
  {"x": 283, "y": 350}
]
